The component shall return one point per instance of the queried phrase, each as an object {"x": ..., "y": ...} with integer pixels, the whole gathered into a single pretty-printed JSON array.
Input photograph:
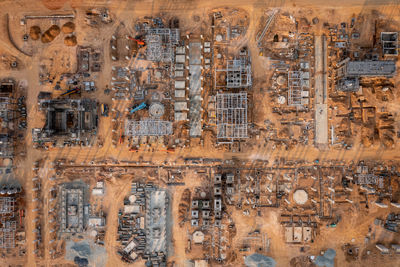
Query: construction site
[{"x": 198, "y": 133}]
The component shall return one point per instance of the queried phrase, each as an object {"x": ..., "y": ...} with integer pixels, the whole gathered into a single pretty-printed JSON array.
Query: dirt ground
[{"x": 355, "y": 227}]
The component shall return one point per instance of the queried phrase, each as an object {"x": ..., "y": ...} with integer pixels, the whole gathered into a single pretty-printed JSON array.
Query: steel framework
[
  {"x": 71, "y": 221},
  {"x": 238, "y": 73},
  {"x": 160, "y": 42},
  {"x": 8, "y": 224},
  {"x": 368, "y": 179},
  {"x": 294, "y": 92},
  {"x": 7, "y": 115},
  {"x": 7, "y": 205},
  {"x": 7, "y": 234},
  {"x": 148, "y": 127},
  {"x": 231, "y": 111}
]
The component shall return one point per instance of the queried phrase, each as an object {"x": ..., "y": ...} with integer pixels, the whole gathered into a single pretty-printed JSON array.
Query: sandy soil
[{"x": 355, "y": 227}]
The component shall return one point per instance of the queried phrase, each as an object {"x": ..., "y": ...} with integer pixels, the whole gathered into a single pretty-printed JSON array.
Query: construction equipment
[
  {"x": 71, "y": 91},
  {"x": 334, "y": 222},
  {"x": 135, "y": 108},
  {"x": 104, "y": 110},
  {"x": 261, "y": 35},
  {"x": 140, "y": 42}
]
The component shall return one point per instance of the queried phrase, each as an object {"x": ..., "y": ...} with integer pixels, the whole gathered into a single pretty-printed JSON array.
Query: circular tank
[
  {"x": 300, "y": 196},
  {"x": 281, "y": 80},
  {"x": 281, "y": 100},
  {"x": 156, "y": 109},
  {"x": 4, "y": 189}
]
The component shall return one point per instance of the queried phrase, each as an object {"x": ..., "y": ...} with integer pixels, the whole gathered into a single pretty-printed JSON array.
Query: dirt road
[{"x": 126, "y": 11}]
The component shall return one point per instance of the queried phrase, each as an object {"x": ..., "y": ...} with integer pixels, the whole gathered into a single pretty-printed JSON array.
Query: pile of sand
[
  {"x": 53, "y": 4},
  {"x": 54, "y": 30},
  {"x": 50, "y": 34},
  {"x": 68, "y": 27},
  {"x": 366, "y": 141},
  {"x": 47, "y": 38},
  {"x": 70, "y": 40},
  {"x": 34, "y": 32},
  {"x": 387, "y": 141}
]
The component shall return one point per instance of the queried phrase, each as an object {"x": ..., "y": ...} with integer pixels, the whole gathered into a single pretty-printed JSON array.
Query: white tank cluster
[{"x": 8, "y": 184}]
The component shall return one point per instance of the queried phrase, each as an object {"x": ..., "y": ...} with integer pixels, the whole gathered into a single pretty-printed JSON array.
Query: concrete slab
[
  {"x": 180, "y": 116},
  {"x": 195, "y": 80},
  {"x": 180, "y": 84},
  {"x": 195, "y": 89},
  {"x": 321, "y": 109},
  {"x": 180, "y": 106},
  {"x": 180, "y": 93},
  {"x": 320, "y": 69},
  {"x": 180, "y": 58},
  {"x": 195, "y": 53},
  {"x": 289, "y": 234},
  {"x": 321, "y": 125}
]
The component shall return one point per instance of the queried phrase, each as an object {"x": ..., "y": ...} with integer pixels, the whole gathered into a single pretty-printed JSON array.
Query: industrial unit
[
  {"x": 72, "y": 202},
  {"x": 68, "y": 121},
  {"x": 193, "y": 134},
  {"x": 10, "y": 210}
]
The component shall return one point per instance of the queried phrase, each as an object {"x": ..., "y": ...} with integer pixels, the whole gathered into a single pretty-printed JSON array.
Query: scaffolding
[
  {"x": 7, "y": 112},
  {"x": 168, "y": 35},
  {"x": 7, "y": 234},
  {"x": 160, "y": 43},
  {"x": 154, "y": 48},
  {"x": 6, "y": 146},
  {"x": 294, "y": 92},
  {"x": 366, "y": 179},
  {"x": 148, "y": 127},
  {"x": 231, "y": 112},
  {"x": 7, "y": 205},
  {"x": 298, "y": 86},
  {"x": 8, "y": 224},
  {"x": 124, "y": 83},
  {"x": 380, "y": 68},
  {"x": 238, "y": 73}
]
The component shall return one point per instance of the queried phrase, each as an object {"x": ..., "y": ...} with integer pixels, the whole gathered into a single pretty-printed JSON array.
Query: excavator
[
  {"x": 138, "y": 41},
  {"x": 138, "y": 44}
]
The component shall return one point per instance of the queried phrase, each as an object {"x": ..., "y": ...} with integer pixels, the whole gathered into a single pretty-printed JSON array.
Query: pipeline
[{"x": 12, "y": 40}]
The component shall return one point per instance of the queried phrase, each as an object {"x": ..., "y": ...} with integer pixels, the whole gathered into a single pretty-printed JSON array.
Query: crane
[
  {"x": 71, "y": 91},
  {"x": 138, "y": 41},
  {"x": 142, "y": 105}
]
